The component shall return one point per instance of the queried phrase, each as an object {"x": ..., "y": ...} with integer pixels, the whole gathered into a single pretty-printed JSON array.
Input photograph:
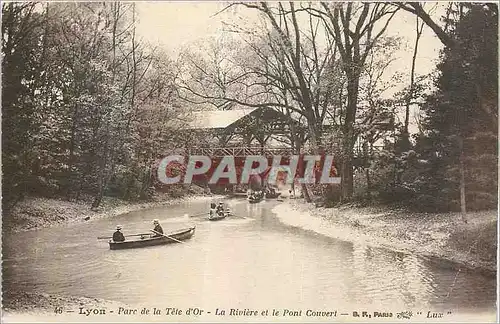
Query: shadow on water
[{"x": 248, "y": 260}]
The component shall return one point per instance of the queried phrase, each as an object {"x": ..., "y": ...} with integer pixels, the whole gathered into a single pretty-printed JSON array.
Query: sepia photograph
[{"x": 249, "y": 162}]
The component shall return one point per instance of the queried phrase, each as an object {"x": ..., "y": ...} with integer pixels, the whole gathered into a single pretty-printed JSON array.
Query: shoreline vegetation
[
  {"x": 35, "y": 213},
  {"x": 440, "y": 237},
  {"x": 35, "y": 303}
]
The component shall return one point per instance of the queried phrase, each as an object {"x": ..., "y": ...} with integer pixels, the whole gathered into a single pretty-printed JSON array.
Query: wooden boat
[
  {"x": 220, "y": 217},
  {"x": 143, "y": 241}
]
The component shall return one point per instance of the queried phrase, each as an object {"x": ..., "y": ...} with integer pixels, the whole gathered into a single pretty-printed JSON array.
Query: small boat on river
[
  {"x": 218, "y": 217},
  {"x": 148, "y": 240},
  {"x": 214, "y": 216}
]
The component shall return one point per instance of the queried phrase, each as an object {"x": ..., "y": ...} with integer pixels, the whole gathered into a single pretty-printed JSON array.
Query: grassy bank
[
  {"x": 439, "y": 237},
  {"x": 36, "y": 212},
  {"x": 36, "y": 303}
]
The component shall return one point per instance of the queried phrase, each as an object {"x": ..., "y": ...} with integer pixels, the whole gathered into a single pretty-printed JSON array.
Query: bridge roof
[
  {"x": 217, "y": 119},
  {"x": 223, "y": 119}
]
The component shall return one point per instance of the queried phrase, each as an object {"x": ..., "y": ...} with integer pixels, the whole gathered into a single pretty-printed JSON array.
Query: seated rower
[
  {"x": 157, "y": 229},
  {"x": 213, "y": 211},
  {"x": 220, "y": 209},
  {"x": 118, "y": 235}
]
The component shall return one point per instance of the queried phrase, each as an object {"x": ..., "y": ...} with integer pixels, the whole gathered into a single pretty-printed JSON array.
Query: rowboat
[
  {"x": 218, "y": 217},
  {"x": 146, "y": 240}
]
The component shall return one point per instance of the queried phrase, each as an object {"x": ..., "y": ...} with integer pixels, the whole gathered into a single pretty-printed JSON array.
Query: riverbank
[
  {"x": 438, "y": 237},
  {"x": 41, "y": 308},
  {"x": 52, "y": 305},
  {"x": 36, "y": 212}
]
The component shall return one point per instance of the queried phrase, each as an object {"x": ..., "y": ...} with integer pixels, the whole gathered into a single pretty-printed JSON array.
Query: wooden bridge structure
[
  {"x": 234, "y": 133},
  {"x": 245, "y": 126},
  {"x": 249, "y": 125},
  {"x": 218, "y": 152}
]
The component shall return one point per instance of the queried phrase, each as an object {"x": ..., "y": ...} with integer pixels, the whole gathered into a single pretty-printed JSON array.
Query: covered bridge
[{"x": 245, "y": 126}]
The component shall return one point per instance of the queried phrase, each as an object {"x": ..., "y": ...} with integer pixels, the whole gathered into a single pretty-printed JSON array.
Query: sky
[{"x": 176, "y": 25}]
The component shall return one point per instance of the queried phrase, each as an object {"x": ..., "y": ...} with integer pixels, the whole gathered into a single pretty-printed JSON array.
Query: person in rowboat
[
  {"x": 157, "y": 228},
  {"x": 213, "y": 210},
  {"x": 220, "y": 209},
  {"x": 118, "y": 235}
]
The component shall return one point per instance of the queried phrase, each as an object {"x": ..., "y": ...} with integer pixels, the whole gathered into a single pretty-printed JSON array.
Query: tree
[
  {"x": 353, "y": 26},
  {"x": 81, "y": 102},
  {"x": 22, "y": 64},
  {"x": 412, "y": 87},
  {"x": 288, "y": 69},
  {"x": 459, "y": 143},
  {"x": 417, "y": 9},
  {"x": 376, "y": 116}
]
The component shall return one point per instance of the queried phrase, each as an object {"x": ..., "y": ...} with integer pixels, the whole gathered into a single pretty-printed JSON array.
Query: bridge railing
[
  {"x": 248, "y": 150},
  {"x": 240, "y": 151}
]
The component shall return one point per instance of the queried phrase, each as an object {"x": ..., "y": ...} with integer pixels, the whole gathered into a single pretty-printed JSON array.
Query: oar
[
  {"x": 198, "y": 214},
  {"x": 166, "y": 236},
  {"x": 109, "y": 237}
]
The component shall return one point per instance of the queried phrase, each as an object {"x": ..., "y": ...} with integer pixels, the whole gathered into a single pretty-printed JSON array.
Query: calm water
[{"x": 248, "y": 261}]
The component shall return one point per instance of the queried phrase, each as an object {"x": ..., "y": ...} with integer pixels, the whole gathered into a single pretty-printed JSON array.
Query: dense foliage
[
  {"x": 461, "y": 117},
  {"x": 87, "y": 106},
  {"x": 459, "y": 125}
]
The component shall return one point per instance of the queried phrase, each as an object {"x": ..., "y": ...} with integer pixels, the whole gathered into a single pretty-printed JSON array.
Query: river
[{"x": 249, "y": 261}]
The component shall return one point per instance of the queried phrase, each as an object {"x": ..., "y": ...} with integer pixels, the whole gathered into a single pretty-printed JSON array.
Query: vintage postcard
[{"x": 243, "y": 162}]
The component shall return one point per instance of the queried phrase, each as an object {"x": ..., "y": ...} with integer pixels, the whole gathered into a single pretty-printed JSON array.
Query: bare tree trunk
[
  {"x": 463, "y": 207},
  {"x": 368, "y": 181},
  {"x": 406, "y": 134},
  {"x": 72, "y": 146},
  {"x": 131, "y": 181},
  {"x": 102, "y": 176},
  {"x": 417, "y": 9},
  {"x": 367, "y": 148},
  {"x": 347, "y": 172},
  {"x": 100, "y": 180},
  {"x": 338, "y": 20},
  {"x": 134, "y": 65}
]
